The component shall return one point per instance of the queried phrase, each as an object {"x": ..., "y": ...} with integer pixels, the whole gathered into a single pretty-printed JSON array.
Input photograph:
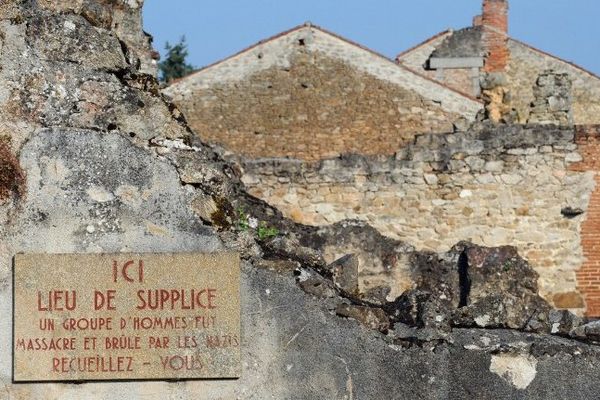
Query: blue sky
[{"x": 215, "y": 29}]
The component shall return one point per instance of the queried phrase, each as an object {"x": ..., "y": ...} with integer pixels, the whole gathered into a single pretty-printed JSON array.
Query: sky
[{"x": 215, "y": 29}]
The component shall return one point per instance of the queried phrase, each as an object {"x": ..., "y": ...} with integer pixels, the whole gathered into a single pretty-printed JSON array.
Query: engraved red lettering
[
  {"x": 100, "y": 299},
  {"x": 58, "y": 300},
  {"x": 125, "y": 267}
]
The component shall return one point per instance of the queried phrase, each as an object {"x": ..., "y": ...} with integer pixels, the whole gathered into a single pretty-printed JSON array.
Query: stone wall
[
  {"x": 309, "y": 94},
  {"x": 461, "y": 79},
  {"x": 523, "y": 69},
  {"x": 505, "y": 185},
  {"x": 416, "y": 58},
  {"x": 95, "y": 161},
  {"x": 318, "y": 107},
  {"x": 552, "y": 102}
]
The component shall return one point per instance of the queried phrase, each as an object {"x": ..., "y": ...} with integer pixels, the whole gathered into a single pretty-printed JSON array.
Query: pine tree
[{"x": 175, "y": 66}]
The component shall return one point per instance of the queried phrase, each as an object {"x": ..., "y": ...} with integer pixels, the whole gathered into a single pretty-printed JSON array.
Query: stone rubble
[{"x": 552, "y": 102}]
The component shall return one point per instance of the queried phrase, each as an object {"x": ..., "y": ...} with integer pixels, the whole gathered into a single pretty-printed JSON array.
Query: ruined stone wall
[
  {"x": 465, "y": 80},
  {"x": 552, "y": 99},
  {"x": 317, "y": 107},
  {"x": 93, "y": 160},
  {"x": 503, "y": 186},
  {"x": 417, "y": 58},
  {"x": 523, "y": 69},
  {"x": 460, "y": 79}
]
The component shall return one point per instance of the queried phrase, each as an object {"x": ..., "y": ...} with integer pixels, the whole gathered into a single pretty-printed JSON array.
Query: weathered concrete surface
[
  {"x": 93, "y": 192},
  {"x": 310, "y": 354},
  {"x": 63, "y": 70}
]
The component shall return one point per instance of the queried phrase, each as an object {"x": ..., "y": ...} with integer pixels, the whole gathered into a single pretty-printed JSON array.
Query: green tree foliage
[{"x": 174, "y": 65}]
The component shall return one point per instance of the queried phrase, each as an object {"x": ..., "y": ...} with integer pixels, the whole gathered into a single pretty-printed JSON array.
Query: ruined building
[
  {"x": 310, "y": 94},
  {"x": 291, "y": 105},
  {"x": 95, "y": 160},
  {"x": 463, "y": 59}
]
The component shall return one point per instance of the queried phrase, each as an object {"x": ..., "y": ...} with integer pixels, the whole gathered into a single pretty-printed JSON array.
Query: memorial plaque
[{"x": 126, "y": 316}]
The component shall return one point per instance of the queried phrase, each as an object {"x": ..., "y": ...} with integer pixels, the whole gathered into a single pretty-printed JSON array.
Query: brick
[
  {"x": 495, "y": 34},
  {"x": 588, "y": 276}
]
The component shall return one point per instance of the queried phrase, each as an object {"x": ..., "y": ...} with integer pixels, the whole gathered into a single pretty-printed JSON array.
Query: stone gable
[
  {"x": 308, "y": 94},
  {"x": 524, "y": 66},
  {"x": 317, "y": 107},
  {"x": 527, "y": 63}
]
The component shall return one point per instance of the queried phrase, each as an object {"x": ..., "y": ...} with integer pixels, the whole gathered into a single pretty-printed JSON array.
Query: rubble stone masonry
[
  {"x": 318, "y": 107},
  {"x": 553, "y": 101},
  {"x": 525, "y": 66},
  {"x": 496, "y": 186},
  {"x": 310, "y": 94},
  {"x": 460, "y": 79}
]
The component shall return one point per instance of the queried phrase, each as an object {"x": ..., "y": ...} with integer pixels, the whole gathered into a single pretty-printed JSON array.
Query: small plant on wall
[{"x": 246, "y": 222}]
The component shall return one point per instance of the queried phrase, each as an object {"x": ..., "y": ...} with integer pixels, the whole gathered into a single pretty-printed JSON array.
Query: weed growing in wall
[{"x": 245, "y": 222}]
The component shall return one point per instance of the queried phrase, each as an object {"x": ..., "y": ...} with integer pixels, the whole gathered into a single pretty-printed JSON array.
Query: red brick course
[
  {"x": 495, "y": 35},
  {"x": 588, "y": 276}
]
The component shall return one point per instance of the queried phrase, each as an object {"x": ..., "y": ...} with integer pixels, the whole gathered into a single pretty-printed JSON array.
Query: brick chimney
[{"x": 494, "y": 21}]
